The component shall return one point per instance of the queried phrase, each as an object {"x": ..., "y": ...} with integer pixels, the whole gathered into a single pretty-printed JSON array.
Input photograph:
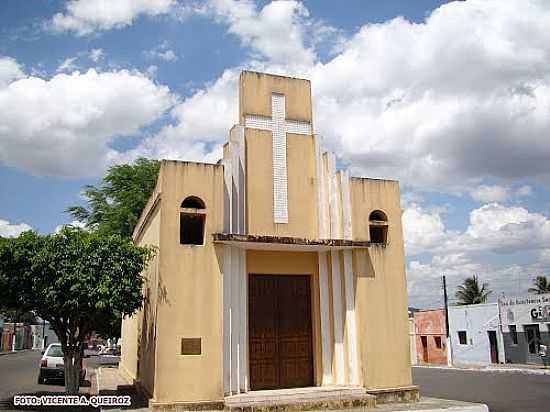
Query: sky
[{"x": 450, "y": 98}]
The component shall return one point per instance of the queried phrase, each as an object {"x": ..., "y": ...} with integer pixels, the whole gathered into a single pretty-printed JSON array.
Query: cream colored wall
[
  {"x": 381, "y": 290},
  {"x": 293, "y": 263},
  {"x": 190, "y": 289},
  {"x": 255, "y": 95},
  {"x": 302, "y": 195},
  {"x": 138, "y": 341}
]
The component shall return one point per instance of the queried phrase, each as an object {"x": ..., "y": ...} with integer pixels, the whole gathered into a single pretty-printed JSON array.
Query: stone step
[{"x": 300, "y": 399}]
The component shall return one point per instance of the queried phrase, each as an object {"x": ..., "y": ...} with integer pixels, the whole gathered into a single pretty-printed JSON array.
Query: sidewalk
[
  {"x": 109, "y": 381},
  {"x": 505, "y": 367},
  {"x": 17, "y": 351}
]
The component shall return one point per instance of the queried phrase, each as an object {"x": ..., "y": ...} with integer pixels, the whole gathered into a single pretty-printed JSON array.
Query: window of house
[
  {"x": 462, "y": 337},
  {"x": 532, "y": 334},
  {"x": 437, "y": 342},
  {"x": 378, "y": 227},
  {"x": 192, "y": 221},
  {"x": 513, "y": 334}
]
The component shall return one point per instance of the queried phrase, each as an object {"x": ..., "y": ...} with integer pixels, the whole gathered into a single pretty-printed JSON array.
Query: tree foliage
[
  {"x": 541, "y": 285},
  {"x": 76, "y": 280},
  {"x": 470, "y": 292},
  {"x": 116, "y": 205}
]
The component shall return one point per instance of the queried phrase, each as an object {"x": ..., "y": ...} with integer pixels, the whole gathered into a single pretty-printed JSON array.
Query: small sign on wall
[{"x": 191, "y": 346}]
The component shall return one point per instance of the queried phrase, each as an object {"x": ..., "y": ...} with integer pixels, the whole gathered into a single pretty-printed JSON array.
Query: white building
[{"x": 475, "y": 334}]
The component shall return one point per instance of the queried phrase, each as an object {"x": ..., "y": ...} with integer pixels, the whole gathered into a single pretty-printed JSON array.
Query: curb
[
  {"x": 524, "y": 371},
  {"x": 17, "y": 351}
]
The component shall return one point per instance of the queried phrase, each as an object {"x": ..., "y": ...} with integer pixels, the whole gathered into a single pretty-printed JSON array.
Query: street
[
  {"x": 19, "y": 374},
  {"x": 500, "y": 391}
]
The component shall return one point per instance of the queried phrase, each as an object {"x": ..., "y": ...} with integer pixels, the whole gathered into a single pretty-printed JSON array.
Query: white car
[{"x": 52, "y": 364}]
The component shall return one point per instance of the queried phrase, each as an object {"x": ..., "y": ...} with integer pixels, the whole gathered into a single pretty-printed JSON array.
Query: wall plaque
[{"x": 191, "y": 346}]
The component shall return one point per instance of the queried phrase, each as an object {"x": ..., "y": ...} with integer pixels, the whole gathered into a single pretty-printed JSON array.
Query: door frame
[{"x": 493, "y": 344}]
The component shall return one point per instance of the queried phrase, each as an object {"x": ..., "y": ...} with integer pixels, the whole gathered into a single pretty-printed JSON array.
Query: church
[{"x": 274, "y": 269}]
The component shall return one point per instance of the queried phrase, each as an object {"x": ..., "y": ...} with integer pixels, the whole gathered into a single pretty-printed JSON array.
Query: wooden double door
[{"x": 280, "y": 332}]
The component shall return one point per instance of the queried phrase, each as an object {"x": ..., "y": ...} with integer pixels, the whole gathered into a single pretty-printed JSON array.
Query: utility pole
[{"x": 449, "y": 348}]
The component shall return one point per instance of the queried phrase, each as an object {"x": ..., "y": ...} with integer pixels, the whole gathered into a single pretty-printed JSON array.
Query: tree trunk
[{"x": 72, "y": 358}]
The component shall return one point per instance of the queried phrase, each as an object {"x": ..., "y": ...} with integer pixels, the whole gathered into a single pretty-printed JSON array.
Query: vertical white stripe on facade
[
  {"x": 235, "y": 322},
  {"x": 326, "y": 352},
  {"x": 321, "y": 206},
  {"x": 227, "y": 319},
  {"x": 280, "y": 174},
  {"x": 349, "y": 284},
  {"x": 235, "y": 280},
  {"x": 243, "y": 303},
  {"x": 346, "y": 205},
  {"x": 337, "y": 318},
  {"x": 351, "y": 330},
  {"x": 228, "y": 195},
  {"x": 335, "y": 221}
]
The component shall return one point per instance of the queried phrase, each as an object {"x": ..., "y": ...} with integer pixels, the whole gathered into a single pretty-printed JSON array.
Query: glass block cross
[{"x": 279, "y": 126}]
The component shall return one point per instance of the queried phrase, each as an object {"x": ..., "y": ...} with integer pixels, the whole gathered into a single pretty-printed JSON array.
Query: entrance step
[{"x": 301, "y": 399}]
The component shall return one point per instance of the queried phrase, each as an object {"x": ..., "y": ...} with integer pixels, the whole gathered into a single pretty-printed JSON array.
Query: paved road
[
  {"x": 501, "y": 391},
  {"x": 19, "y": 375}
]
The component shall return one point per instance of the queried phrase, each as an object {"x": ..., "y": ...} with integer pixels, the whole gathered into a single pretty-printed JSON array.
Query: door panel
[{"x": 281, "y": 354}]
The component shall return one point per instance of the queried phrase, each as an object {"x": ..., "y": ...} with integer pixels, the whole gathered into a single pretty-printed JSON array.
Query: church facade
[{"x": 273, "y": 269}]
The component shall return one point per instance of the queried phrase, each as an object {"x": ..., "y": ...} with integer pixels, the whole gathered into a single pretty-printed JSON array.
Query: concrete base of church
[
  {"x": 391, "y": 395},
  {"x": 337, "y": 397}
]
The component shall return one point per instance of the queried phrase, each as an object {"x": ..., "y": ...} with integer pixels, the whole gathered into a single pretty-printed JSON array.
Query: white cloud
[
  {"x": 10, "y": 70},
  {"x": 423, "y": 230},
  {"x": 64, "y": 126},
  {"x": 87, "y": 16},
  {"x": 486, "y": 193},
  {"x": 67, "y": 65},
  {"x": 151, "y": 71},
  {"x": 163, "y": 52},
  {"x": 277, "y": 32},
  {"x": 96, "y": 55},
  {"x": 74, "y": 223},
  {"x": 525, "y": 191},
  {"x": 168, "y": 55},
  {"x": 8, "y": 229}
]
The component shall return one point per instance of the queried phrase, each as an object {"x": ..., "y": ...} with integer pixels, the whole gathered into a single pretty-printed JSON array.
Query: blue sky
[{"x": 451, "y": 98}]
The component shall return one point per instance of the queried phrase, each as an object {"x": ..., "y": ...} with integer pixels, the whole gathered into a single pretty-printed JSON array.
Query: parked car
[
  {"x": 109, "y": 351},
  {"x": 52, "y": 364}
]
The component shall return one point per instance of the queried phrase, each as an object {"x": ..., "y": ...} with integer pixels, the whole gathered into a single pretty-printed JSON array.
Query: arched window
[
  {"x": 193, "y": 202},
  {"x": 378, "y": 227},
  {"x": 192, "y": 221}
]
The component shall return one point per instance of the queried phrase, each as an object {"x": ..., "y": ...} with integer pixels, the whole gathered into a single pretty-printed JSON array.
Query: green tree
[
  {"x": 76, "y": 280},
  {"x": 541, "y": 285},
  {"x": 115, "y": 206},
  {"x": 470, "y": 292}
]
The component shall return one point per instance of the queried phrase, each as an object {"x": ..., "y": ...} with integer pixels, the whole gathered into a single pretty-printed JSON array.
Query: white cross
[{"x": 279, "y": 127}]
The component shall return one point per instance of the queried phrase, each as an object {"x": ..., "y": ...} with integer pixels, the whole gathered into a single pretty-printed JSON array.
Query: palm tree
[
  {"x": 542, "y": 285},
  {"x": 470, "y": 293}
]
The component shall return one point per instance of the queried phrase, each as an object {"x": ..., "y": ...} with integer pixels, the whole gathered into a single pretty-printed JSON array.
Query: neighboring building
[
  {"x": 431, "y": 336},
  {"x": 475, "y": 334},
  {"x": 274, "y": 270},
  {"x": 525, "y": 326},
  {"x": 16, "y": 336},
  {"x": 37, "y": 330}
]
